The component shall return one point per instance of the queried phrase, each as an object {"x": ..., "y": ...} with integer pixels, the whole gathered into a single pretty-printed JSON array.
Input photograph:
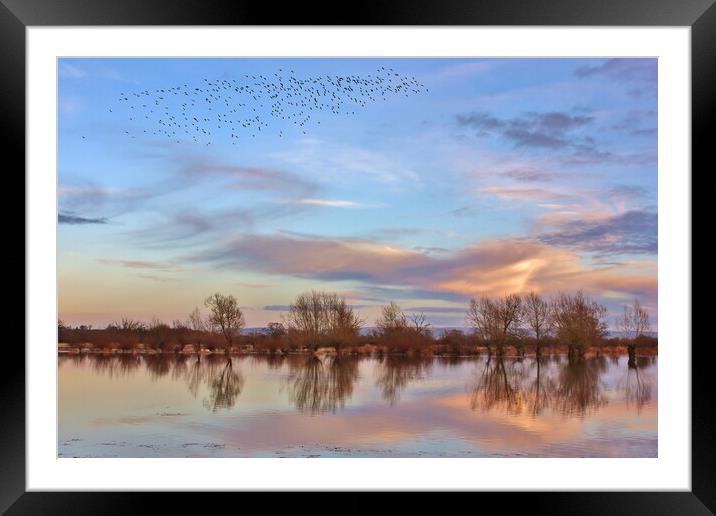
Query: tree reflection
[
  {"x": 319, "y": 385},
  {"x": 498, "y": 385},
  {"x": 541, "y": 388},
  {"x": 194, "y": 376},
  {"x": 158, "y": 365},
  {"x": 75, "y": 359},
  {"x": 115, "y": 366},
  {"x": 579, "y": 387},
  {"x": 638, "y": 389},
  {"x": 225, "y": 384},
  {"x": 180, "y": 367},
  {"x": 571, "y": 387},
  {"x": 530, "y": 386},
  {"x": 395, "y": 372},
  {"x": 272, "y": 361}
]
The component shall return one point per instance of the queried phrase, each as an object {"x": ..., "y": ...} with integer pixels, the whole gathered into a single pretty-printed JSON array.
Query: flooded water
[{"x": 300, "y": 406}]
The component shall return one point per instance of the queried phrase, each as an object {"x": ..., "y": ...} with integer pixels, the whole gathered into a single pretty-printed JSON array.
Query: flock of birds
[{"x": 242, "y": 109}]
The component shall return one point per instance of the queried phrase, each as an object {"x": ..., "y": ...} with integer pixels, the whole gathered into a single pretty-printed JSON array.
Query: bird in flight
[{"x": 255, "y": 104}]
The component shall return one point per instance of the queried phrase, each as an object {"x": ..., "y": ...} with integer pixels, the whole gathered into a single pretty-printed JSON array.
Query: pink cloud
[{"x": 494, "y": 267}]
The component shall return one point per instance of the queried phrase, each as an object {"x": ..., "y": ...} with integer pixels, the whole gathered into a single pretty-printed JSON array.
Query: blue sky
[{"x": 485, "y": 176}]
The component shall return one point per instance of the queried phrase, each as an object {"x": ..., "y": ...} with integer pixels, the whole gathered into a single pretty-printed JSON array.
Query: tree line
[{"x": 318, "y": 319}]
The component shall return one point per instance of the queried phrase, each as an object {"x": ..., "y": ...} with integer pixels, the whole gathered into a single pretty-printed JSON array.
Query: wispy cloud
[
  {"x": 630, "y": 232},
  {"x": 180, "y": 228},
  {"x": 570, "y": 138},
  {"x": 523, "y": 194},
  {"x": 63, "y": 218},
  {"x": 622, "y": 69},
  {"x": 243, "y": 177},
  {"x": 641, "y": 74},
  {"x": 338, "y": 203},
  {"x": 65, "y": 69},
  {"x": 95, "y": 199},
  {"x": 141, "y": 264},
  {"x": 640, "y": 122},
  {"x": 282, "y": 192},
  {"x": 492, "y": 267},
  {"x": 548, "y": 130},
  {"x": 154, "y": 277},
  {"x": 68, "y": 69},
  {"x": 526, "y": 175},
  {"x": 461, "y": 70},
  {"x": 339, "y": 163},
  {"x": 437, "y": 309},
  {"x": 276, "y": 308},
  {"x": 286, "y": 308}
]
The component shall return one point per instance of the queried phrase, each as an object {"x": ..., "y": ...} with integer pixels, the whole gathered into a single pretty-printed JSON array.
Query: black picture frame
[{"x": 700, "y": 15}]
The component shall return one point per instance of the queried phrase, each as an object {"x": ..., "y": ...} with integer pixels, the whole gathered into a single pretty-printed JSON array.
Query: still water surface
[{"x": 299, "y": 406}]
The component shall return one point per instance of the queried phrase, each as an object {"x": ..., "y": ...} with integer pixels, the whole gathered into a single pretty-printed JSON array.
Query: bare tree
[
  {"x": 179, "y": 325},
  {"x": 127, "y": 324},
  {"x": 195, "y": 321},
  {"x": 342, "y": 323},
  {"x": 198, "y": 325},
  {"x": 537, "y": 315},
  {"x": 641, "y": 319},
  {"x": 578, "y": 322},
  {"x": 160, "y": 332},
  {"x": 305, "y": 316},
  {"x": 276, "y": 330},
  {"x": 634, "y": 321},
  {"x": 497, "y": 321},
  {"x": 319, "y": 315},
  {"x": 419, "y": 325},
  {"x": 482, "y": 316},
  {"x": 510, "y": 315},
  {"x": 63, "y": 331},
  {"x": 225, "y": 316},
  {"x": 392, "y": 320}
]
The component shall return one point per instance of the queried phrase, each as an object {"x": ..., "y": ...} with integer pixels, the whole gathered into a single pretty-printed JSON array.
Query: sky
[{"x": 421, "y": 181}]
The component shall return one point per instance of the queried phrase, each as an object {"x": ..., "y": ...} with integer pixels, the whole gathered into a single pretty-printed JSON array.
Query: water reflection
[
  {"x": 394, "y": 373},
  {"x": 499, "y": 384},
  {"x": 637, "y": 388},
  {"x": 322, "y": 384},
  {"x": 579, "y": 386},
  {"x": 218, "y": 374},
  {"x": 541, "y": 388},
  {"x": 225, "y": 384},
  {"x": 157, "y": 365},
  {"x": 572, "y": 388},
  {"x": 114, "y": 366},
  {"x": 531, "y": 386}
]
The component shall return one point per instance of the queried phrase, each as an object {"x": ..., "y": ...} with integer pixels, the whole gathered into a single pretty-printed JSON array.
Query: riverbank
[{"x": 362, "y": 350}]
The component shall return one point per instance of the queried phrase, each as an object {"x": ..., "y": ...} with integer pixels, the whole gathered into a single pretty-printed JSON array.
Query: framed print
[{"x": 436, "y": 249}]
